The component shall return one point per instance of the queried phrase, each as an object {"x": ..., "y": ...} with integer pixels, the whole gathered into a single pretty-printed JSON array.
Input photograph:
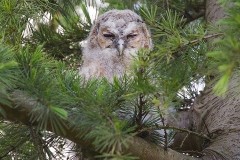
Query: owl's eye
[
  {"x": 132, "y": 35},
  {"x": 108, "y": 35}
]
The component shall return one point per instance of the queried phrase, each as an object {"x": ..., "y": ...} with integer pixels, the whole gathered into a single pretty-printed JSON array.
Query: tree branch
[
  {"x": 149, "y": 151},
  {"x": 21, "y": 109},
  {"x": 137, "y": 147}
]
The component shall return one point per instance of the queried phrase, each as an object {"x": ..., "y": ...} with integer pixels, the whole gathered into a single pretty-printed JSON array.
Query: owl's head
[{"x": 121, "y": 31}]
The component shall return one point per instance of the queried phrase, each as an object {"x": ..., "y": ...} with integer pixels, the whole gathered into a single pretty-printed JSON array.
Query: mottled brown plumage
[{"x": 113, "y": 41}]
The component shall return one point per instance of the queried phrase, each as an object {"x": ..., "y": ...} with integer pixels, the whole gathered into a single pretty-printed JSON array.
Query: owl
[{"x": 112, "y": 44}]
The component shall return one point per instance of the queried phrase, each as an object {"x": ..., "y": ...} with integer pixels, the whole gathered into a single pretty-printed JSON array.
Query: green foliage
[
  {"x": 119, "y": 109},
  {"x": 179, "y": 52},
  {"x": 20, "y": 142},
  {"x": 7, "y": 73},
  {"x": 14, "y": 138},
  {"x": 38, "y": 79},
  {"x": 63, "y": 32},
  {"x": 15, "y": 15},
  {"x": 117, "y": 157},
  {"x": 226, "y": 54},
  {"x": 116, "y": 137},
  {"x": 125, "y": 4},
  {"x": 41, "y": 69}
]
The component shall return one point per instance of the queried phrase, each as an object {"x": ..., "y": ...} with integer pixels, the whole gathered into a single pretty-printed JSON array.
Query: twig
[
  {"x": 175, "y": 128},
  {"x": 140, "y": 108},
  {"x": 184, "y": 140},
  {"x": 209, "y": 134},
  {"x": 204, "y": 38},
  {"x": 165, "y": 130},
  {"x": 195, "y": 41}
]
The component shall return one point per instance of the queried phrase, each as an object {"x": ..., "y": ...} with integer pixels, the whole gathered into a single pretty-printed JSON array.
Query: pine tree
[{"x": 156, "y": 112}]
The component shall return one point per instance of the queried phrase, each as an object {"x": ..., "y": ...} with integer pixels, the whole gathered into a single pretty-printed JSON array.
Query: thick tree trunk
[
  {"x": 213, "y": 11},
  {"x": 219, "y": 117}
]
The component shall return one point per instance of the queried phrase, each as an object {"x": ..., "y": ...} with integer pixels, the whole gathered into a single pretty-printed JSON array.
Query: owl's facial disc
[
  {"x": 124, "y": 37},
  {"x": 118, "y": 43}
]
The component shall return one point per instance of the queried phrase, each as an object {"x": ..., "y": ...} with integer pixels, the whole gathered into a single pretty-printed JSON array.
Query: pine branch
[
  {"x": 137, "y": 147},
  {"x": 194, "y": 42},
  {"x": 12, "y": 148},
  {"x": 21, "y": 113},
  {"x": 204, "y": 38}
]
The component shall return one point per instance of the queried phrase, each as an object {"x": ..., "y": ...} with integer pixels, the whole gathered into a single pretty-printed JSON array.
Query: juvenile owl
[{"x": 114, "y": 40}]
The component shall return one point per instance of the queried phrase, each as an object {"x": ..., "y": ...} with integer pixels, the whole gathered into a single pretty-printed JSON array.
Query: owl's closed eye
[{"x": 113, "y": 41}]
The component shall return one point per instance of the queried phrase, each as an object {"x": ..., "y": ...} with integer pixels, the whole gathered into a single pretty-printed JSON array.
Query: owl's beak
[{"x": 120, "y": 46}]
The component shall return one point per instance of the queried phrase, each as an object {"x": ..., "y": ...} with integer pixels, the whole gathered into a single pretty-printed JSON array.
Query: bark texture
[
  {"x": 213, "y": 11},
  {"x": 219, "y": 117}
]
